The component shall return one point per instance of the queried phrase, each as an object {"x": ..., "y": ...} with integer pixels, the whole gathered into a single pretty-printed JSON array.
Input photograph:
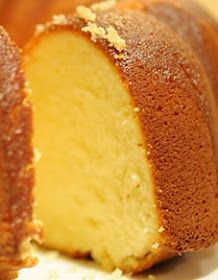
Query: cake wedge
[{"x": 124, "y": 120}]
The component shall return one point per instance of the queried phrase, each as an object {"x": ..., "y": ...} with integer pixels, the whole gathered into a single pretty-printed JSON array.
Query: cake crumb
[
  {"x": 59, "y": 19},
  {"x": 37, "y": 155},
  {"x": 136, "y": 109},
  {"x": 117, "y": 275},
  {"x": 104, "y": 5},
  {"x": 97, "y": 32},
  {"x": 18, "y": 131},
  {"x": 39, "y": 29},
  {"x": 155, "y": 246},
  {"x": 110, "y": 34},
  {"x": 117, "y": 272},
  {"x": 27, "y": 87},
  {"x": 56, "y": 20},
  {"x": 161, "y": 229},
  {"x": 120, "y": 56},
  {"x": 114, "y": 39},
  {"x": 85, "y": 13},
  {"x": 26, "y": 103}
]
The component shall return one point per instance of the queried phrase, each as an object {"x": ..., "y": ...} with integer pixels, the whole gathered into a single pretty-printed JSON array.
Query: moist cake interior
[{"x": 94, "y": 188}]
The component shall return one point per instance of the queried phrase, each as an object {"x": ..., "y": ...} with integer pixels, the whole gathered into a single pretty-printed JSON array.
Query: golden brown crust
[
  {"x": 16, "y": 155},
  {"x": 8, "y": 274},
  {"x": 191, "y": 23},
  {"x": 196, "y": 29},
  {"x": 176, "y": 110}
]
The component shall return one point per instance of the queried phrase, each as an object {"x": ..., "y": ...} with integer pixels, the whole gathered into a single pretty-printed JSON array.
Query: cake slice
[
  {"x": 125, "y": 122},
  {"x": 16, "y": 164}
]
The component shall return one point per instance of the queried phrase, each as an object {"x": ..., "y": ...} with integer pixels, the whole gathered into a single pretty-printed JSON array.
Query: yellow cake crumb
[
  {"x": 115, "y": 40},
  {"x": 27, "y": 87},
  {"x": 110, "y": 34},
  {"x": 120, "y": 56},
  {"x": 102, "y": 6},
  {"x": 37, "y": 155},
  {"x": 155, "y": 246},
  {"x": 136, "y": 109},
  {"x": 161, "y": 229},
  {"x": 117, "y": 275},
  {"x": 85, "y": 13},
  {"x": 56, "y": 20},
  {"x": 39, "y": 29},
  {"x": 97, "y": 32},
  {"x": 59, "y": 19}
]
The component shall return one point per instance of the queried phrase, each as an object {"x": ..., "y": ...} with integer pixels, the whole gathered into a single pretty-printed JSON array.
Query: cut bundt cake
[
  {"x": 16, "y": 164},
  {"x": 191, "y": 23},
  {"x": 125, "y": 123}
]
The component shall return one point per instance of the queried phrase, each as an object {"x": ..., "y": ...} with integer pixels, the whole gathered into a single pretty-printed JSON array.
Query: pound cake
[
  {"x": 125, "y": 122},
  {"x": 16, "y": 164}
]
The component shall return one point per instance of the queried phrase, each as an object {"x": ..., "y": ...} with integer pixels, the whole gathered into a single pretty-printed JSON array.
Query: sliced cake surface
[
  {"x": 124, "y": 120},
  {"x": 16, "y": 168}
]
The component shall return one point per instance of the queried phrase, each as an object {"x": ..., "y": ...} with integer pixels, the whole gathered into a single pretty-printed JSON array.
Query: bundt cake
[
  {"x": 191, "y": 23},
  {"x": 125, "y": 120},
  {"x": 16, "y": 164}
]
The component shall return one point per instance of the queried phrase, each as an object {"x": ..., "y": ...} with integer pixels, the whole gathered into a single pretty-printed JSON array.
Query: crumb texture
[
  {"x": 85, "y": 13},
  {"x": 104, "y": 5},
  {"x": 109, "y": 33}
]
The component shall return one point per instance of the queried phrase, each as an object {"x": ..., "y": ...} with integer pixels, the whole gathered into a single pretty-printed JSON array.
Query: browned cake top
[
  {"x": 16, "y": 158},
  {"x": 176, "y": 110},
  {"x": 195, "y": 26}
]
